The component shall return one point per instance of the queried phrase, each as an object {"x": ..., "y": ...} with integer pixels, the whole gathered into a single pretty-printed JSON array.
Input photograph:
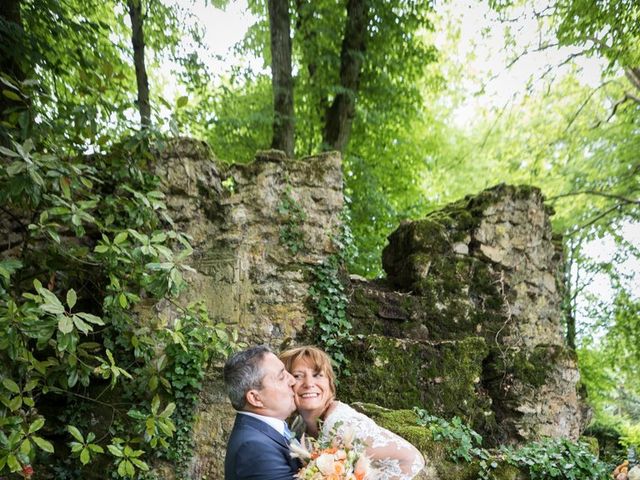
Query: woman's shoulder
[
  {"x": 344, "y": 413},
  {"x": 340, "y": 409}
]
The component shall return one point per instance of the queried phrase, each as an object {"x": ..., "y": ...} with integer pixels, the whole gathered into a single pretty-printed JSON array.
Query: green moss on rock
[{"x": 442, "y": 377}]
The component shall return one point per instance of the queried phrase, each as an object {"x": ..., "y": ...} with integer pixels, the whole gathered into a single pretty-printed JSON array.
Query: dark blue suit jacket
[{"x": 257, "y": 452}]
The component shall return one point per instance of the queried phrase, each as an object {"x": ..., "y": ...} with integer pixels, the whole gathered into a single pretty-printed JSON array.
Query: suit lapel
[{"x": 263, "y": 427}]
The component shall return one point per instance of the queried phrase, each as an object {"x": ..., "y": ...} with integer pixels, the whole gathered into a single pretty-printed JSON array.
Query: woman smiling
[{"x": 392, "y": 457}]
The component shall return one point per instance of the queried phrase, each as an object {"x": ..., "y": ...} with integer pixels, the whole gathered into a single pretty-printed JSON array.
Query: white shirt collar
[{"x": 275, "y": 423}]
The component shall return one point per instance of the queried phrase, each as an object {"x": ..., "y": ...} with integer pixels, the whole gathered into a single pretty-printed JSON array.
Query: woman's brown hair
[{"x": 316, "y": 357}]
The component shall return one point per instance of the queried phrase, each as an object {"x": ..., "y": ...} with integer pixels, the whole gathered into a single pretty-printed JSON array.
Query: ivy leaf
[
  {"x": 90, "y": 318},
  {"x": 43, "y": 444},
  {"x": 11, "y": 385},
  {"x": 114, "y": 450},
  {"x": 51, "y": 302},
  {"x": 120, "y": 238},
  {"x": 36, "y": 425},
  {"x": 75, "y": 433},
  {"x": 8, "y": 153},
  {"x": 81, "y": 325},
  {"x": 71, "y": 298},
  {"x": 65, "y": 324},
  {"x": 84, "y": 456}
]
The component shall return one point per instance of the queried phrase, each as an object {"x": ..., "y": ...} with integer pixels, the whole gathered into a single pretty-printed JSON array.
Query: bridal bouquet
[{"x": 337, "y": 458}]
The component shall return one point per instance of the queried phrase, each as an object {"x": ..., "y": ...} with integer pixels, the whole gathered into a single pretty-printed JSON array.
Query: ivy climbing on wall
[
  {"x": 293, "y": 216},
  {"x": 330, "y": 327}
]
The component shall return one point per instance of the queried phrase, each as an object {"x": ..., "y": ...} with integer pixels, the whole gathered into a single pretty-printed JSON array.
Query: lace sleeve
[{"x": 392, "y": 457}]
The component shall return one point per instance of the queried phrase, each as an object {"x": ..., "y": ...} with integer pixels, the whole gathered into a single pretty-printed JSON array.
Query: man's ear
[{"x": 254, "y": 399}]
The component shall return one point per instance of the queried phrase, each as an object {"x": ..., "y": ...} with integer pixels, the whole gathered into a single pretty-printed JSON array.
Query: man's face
[{"x": 275, "y": 398}]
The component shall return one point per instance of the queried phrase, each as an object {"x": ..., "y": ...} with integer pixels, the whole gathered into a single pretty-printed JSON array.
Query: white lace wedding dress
[{"x": 393, "y": 458}]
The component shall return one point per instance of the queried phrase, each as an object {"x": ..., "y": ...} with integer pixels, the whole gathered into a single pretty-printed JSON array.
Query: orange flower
[{"x": 362, "y": 467}]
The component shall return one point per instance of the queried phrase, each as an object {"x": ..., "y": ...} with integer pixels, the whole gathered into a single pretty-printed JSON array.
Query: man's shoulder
[{"x": 249, "y": 430}]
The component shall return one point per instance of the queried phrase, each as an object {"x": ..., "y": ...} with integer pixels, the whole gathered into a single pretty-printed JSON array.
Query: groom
[{"x": 260, "y": 389}]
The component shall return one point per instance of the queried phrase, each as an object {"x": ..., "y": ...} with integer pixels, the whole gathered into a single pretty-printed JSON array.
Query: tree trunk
[
  {"x": 308, "y": 37},
  {"x": 137, "y": 39},
  {"x": 11, "y": 38},
  {"x": 342, "y": 111},
  {"x": 283, "y": 127}
]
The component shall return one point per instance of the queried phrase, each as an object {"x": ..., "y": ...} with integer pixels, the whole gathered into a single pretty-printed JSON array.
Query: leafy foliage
[
  {"x": 77, "y": 55},
  {"x": 609, "y": 29},
  {"x": 558, "y": 458},
  {"x": 464, "y": 440},
  {"x": 89, "y": 244},
  {"x": 548, "y": 458},
  {"x": 609, "y": 370}
]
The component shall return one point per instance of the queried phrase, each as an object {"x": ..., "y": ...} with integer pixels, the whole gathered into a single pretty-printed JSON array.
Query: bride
[{"x": 392, "y": 457}]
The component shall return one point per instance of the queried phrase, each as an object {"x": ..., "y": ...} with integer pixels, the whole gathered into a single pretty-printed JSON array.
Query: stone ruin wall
[
  {"x": 244, "y": 274},
  {"x": 472, "y": 302},
  {"x": 481, "y": 340}
]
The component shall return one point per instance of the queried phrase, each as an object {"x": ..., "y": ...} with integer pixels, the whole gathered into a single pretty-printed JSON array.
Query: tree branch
[
  {"x": 593, "y": 220},
  {"x": 627, "y": 96},
  {"x": 596, "y": 193},
  {"x": 584, "y": 104},
  {"x": 633, "y": 74}
]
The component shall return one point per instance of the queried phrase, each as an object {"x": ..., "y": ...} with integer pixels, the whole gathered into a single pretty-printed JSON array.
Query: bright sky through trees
[{"x": 474, "y": 40}]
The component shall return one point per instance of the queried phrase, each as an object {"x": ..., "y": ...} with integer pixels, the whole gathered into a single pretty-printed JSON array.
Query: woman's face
[{"x": 312, "y": 389}]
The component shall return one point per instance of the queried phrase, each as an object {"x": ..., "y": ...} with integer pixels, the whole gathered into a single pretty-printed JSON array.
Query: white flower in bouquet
[{"x": 339, "y": 458}]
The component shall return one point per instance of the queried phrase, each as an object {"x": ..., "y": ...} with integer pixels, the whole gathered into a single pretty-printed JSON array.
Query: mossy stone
[
  {"x": 442, "y": 377},
  {"x": 436, "y": 453}
]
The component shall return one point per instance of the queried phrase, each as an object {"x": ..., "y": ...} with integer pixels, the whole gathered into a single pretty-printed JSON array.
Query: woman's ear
[{"x": 254, "y": 399}]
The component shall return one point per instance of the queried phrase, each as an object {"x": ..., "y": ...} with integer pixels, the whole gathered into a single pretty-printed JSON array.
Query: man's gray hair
[{"x": 243, "y": 372}]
